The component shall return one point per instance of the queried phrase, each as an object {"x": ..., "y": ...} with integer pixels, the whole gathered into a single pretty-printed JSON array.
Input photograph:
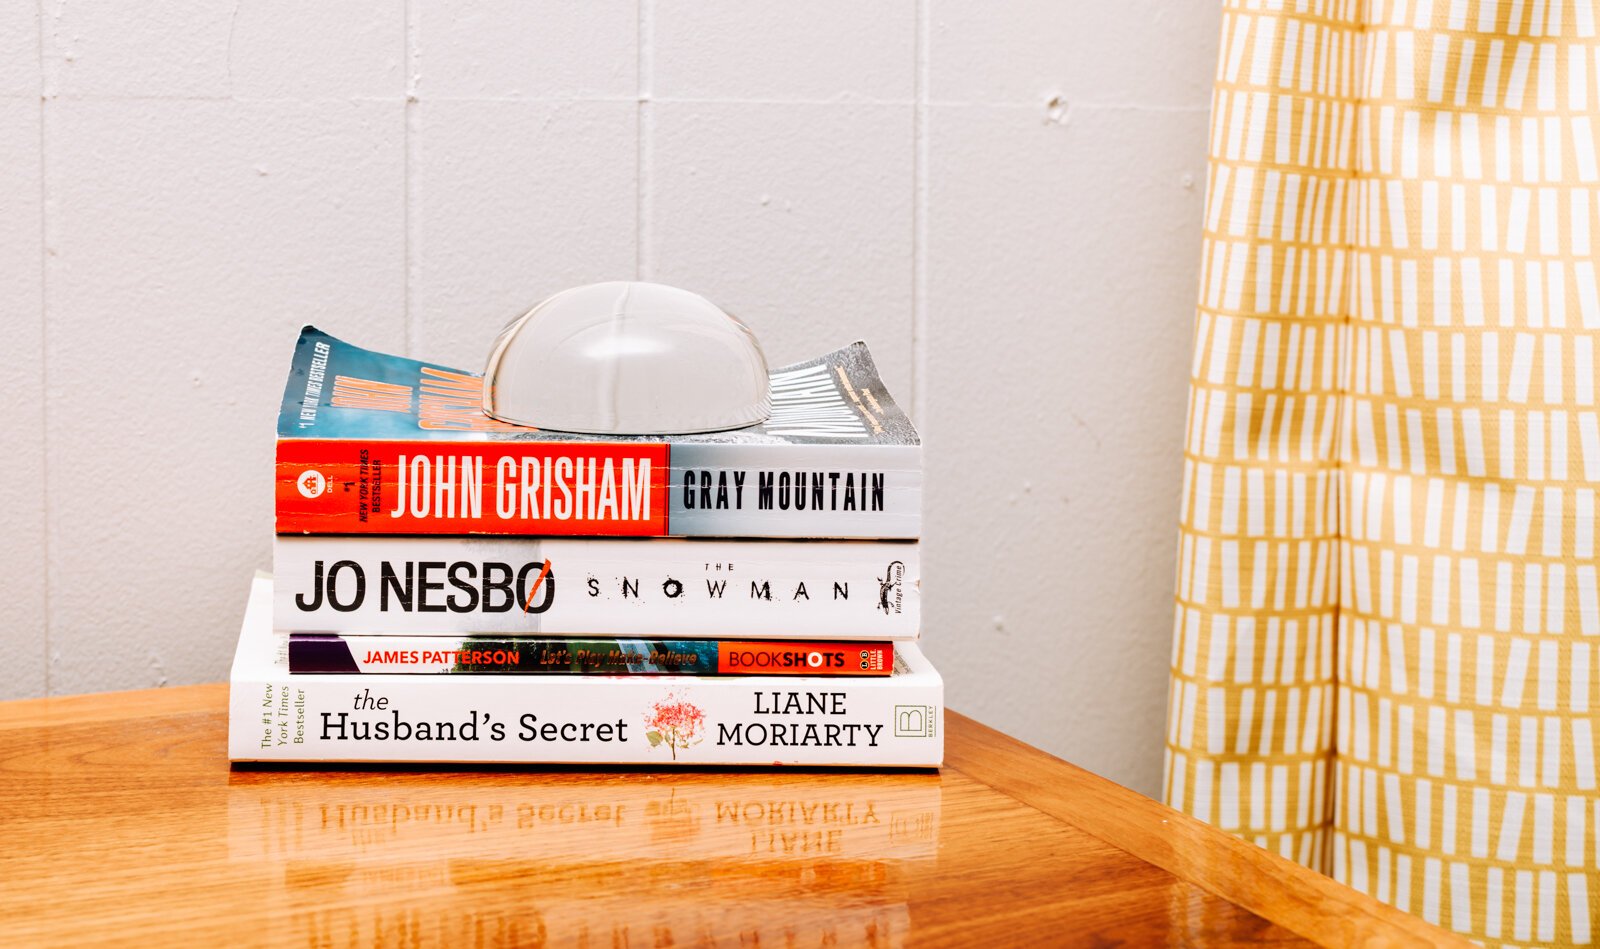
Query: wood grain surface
[{"x": 123, "y": 824}]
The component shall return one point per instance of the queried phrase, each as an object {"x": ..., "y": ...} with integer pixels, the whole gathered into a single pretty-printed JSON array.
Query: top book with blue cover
[{"x": 372, "y": 443}]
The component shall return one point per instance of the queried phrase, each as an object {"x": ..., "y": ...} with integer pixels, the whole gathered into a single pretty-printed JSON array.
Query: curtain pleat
[{"x": 1383, "y": 661}]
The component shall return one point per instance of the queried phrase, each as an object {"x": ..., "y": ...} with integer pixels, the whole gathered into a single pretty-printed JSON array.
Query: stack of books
[{"x": 450, "y": 588}]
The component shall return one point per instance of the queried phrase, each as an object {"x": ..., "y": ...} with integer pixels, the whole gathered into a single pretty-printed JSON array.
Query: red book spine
[{"x": 345, "y": 486}]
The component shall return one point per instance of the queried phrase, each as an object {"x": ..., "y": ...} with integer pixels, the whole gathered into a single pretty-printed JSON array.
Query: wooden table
[{"x": 120, "y": 821}]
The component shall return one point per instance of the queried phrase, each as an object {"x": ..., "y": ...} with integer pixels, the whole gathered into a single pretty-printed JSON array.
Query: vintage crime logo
[{"x": 890, "y": 594}]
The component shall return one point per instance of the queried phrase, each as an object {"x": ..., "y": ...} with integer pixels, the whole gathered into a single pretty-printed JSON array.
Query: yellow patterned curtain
[{"x": 1383, "y": 662}]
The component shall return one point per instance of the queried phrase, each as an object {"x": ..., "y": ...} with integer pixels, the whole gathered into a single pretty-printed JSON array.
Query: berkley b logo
[
  {"x": 915, "y": 721},
  {"x": 489, "y": 587}
]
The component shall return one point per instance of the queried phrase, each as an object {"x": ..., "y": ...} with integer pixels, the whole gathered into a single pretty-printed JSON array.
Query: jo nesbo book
[{"x": 664, "y": 587}]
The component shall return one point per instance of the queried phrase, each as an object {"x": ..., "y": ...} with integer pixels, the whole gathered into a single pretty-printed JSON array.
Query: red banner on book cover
[
  {"x": 331, "y": 486},
  {"x": 792, "y": 658}
]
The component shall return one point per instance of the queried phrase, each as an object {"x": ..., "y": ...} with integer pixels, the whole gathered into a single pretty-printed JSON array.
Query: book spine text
[
  {"x": 634, "y": 720},
  {"x": 672, "y": 588},
  {"x": 326, "y": 654},
  {"x": 625, "y": 489}
]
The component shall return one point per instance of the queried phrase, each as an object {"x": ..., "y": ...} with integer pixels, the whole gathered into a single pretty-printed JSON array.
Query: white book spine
[
  {"x": 659, "y": 721},
  {"x": 691, "y": 589}
]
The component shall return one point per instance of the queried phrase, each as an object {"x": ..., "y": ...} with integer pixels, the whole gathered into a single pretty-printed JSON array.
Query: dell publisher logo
[
  {"x": 311, "y": 483},
  {"x": 914, "y": 721}
]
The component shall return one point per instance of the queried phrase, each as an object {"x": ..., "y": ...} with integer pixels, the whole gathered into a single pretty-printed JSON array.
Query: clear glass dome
[{"x": 627, "y": 358}]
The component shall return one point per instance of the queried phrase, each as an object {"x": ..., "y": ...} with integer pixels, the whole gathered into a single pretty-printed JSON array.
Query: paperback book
[
  {"x": 673, "y": 588},
  {"x": 370, "y": 443},
  {"x": 277, "y": 715},
  {"x": 332, "y": 653}
]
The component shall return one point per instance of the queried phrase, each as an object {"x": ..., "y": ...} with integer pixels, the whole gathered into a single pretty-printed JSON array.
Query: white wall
[{"x": 1002, "y": 198}]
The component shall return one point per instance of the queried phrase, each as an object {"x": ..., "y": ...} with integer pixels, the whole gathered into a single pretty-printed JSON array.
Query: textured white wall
[{"x": 1001, "y": 197}]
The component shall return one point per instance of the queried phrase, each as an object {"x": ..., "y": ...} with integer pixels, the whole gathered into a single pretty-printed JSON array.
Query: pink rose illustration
[{"x": 674, "y": 722}]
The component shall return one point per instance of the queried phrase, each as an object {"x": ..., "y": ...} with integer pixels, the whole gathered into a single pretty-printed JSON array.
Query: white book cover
[
  {"x": 895, "y": 721},
  {"x": 563, "y": 586}
]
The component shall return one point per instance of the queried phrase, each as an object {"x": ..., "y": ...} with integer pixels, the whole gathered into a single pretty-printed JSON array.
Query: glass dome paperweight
[{"x": 627, "y": 358}]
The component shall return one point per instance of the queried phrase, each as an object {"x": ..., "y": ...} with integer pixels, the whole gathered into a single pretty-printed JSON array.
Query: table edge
[{"x": 1309, "y": 904}]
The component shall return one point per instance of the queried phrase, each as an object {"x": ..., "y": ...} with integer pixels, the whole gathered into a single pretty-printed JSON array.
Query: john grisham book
[
  {"x": 278, "y": 715},
  {"x": 370, "y": 443}
]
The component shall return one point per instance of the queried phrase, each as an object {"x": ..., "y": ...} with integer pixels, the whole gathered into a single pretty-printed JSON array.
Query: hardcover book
[
  {"x": 370, "y": 443},
  {"x": 332, "y": 653},
  {"x": 673, "y": 588},
  {"x": 276, "y": 715}
]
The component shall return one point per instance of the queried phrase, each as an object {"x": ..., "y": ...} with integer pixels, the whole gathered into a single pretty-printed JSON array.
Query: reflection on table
[{"x": 812, "y": 859}]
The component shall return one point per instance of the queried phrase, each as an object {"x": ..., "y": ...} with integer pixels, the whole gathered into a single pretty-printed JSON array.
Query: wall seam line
[
  {"x": 408, "y": 145},
  {"x": 643, "y": 257},
  {"x": 919, "y": 214},
  {"x": 44, "y": 354}
]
